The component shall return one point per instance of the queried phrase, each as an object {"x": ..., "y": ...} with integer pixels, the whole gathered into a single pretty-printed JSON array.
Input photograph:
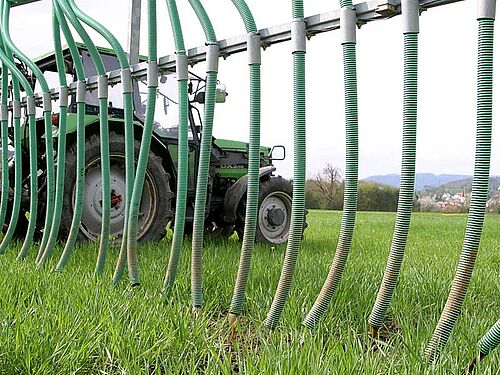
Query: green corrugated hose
[
  {"x": 8, "y": 62},
  {"x": 61, "y": 140},
  {"x": 48, "y": 129},
  {"x": 299, "y": 182},
  {"x": 142, "y": 163},
  {"x": 129, "y": 126},
  {"x": 80, "y": 142},
  {"x": 253, "y": 181},
  {"x": 183, "y": 150},
  {"x": 487, "y": 344},
  {"x": 204, "y": 163},
  {"x": 351, "y": 185},
  {"x": 407, "y": 184},
  {"x": 479, "y": 194},
  {"x": 104, "y": 136},
  {"x": 49, "y": 149},
  {"x": 5, "y": 141}
]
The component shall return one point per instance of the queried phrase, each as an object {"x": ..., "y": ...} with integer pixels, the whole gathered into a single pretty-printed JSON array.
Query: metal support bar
[
  {"x": 134, "y": 35},
  {"x": 365, "y": 12}
]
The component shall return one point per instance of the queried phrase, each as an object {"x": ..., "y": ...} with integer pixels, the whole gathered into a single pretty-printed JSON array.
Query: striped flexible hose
[
  {"x": 409, "y": 10},
  {"x": 479, "y": 194},
  {"x": 299, "y": 173},
  {"x": 351, "y": 176}
]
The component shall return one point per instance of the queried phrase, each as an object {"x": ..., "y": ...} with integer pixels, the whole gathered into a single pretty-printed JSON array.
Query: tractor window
[{"x": 166, "y": 121}]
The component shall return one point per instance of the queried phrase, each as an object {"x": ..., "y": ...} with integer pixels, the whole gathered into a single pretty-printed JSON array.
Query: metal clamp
[
  {"x": 486, "y": 9},
  {"x": 31, "y": 105},
  {"x": 127, "y": 80},
  {"x": 253, "y": 48},
  {"x": 212, "y": 58},
  {"x": 63, "y": 96},
  {"x": 348, "y": 25},
  {"x": 152, "y": 74},
  {"x": 16, "y": 108},
  {"x": 181, "y": 66},
  {"x": 102, "y": 87},
  {"x": 298, "y": 33},
  {"x": 410, "y": 11},
  {"x": 47, "y": 101},
  {"x": 4, "y": 112},
  {"x": 81, "y": 90}
]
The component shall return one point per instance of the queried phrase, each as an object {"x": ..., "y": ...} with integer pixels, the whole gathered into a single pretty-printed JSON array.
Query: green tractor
[{"x": 225, "y": 211}]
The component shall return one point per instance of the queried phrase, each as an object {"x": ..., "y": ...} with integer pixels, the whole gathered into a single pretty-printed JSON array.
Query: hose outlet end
[
  {"x": 127, "y": 80},
  {"x": 102, "y": 87},
  {"x": 4, "y": 112},
  {"x": 152, "y": 74},
  {"x": 410, "y": 11},
  {"x": 47, "y": 102},
  {"x": 181, "y": 64},
  {"x": 253, "y": 48},
  {"x": 63, "y": 96},
  {"x": 348, "y": 25},
  {"x": 486, "y": 9},
  {"x": 298, "y": 31},
  {"x": 232, "y": 320},
  {"x": 81, "y": 90},
  {"x": 212, "y": 58}
]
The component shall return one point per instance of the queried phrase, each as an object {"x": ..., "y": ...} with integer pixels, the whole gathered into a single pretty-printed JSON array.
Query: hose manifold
[
  {"x": 348, "y": 25},
  {"x": 181, "y": 66},
  {"x": 47, "y": 102},
  {"x": 298, "y": 34},
  {"x": 212, "y": 58},
  {"x": 253, "y": 48},
  {"x": 486, "y": 9}
]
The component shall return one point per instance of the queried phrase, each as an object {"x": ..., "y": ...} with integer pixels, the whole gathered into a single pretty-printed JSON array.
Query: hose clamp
[
  {"x": 486, "y": 9},
  {"x": 4, "y": 112},
  {"x": 212, "y": 58},
  {"x": 152, "y": 74},
  {"x": 127, "y": 80},
  {"x": 16, "y": 108},
  {"x": 410, "y": 11},
  {"x": 30, "y": 105},
  {"x": 253, "y": 47},
  {"x": 348, "y": 25},
  {"x": 181, "y": 66},
  {"x": 102, "y": 87},
  {"x": 298, "y": 34},
  {"x": 63, "y": 96},
  {"x": 47, "y": 101},
  {"x": 81, "y": 91}
]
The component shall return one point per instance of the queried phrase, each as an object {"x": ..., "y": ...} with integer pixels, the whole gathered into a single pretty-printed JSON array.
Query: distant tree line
[{"x": 326, "y": 191}]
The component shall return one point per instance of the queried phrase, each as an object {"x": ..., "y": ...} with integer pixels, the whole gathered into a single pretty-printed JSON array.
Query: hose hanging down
[
  {"x": 142, "y": 163},
  {"x": 4, "y": 120},
  {"x": 205, "y": 150},
  {"x": 299, "y": 166},
  {"x": 410, "y": 14},
  {"x": 348, "y": 28},
  {"x": 479, "y": 194},
  {"x": 252, "y": 200},
  {"x": 183, "y": 147}
]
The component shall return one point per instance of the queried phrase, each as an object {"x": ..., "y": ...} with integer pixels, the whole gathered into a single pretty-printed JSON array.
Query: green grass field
[{"x": 69, "y": 322}]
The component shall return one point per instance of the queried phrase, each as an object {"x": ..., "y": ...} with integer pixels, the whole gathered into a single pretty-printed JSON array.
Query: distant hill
[
  {"x": 423, "y": 180},
  {"x": 463, "y": 185}
]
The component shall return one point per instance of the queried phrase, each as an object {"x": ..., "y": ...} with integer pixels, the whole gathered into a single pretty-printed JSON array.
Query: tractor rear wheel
[{"x": 155, "y": 208}]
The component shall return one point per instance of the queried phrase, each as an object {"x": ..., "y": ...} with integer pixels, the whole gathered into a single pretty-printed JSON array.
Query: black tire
[
  {"x": 275, "y": 209},
  {"x": 156, "y": 198}
]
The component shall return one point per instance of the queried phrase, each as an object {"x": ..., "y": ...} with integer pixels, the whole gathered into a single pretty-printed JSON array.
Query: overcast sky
[{"x": 447, "y": 81}]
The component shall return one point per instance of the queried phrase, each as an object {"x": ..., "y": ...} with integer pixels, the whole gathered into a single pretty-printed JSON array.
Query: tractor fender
[{"x": 237, "y": 191}]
